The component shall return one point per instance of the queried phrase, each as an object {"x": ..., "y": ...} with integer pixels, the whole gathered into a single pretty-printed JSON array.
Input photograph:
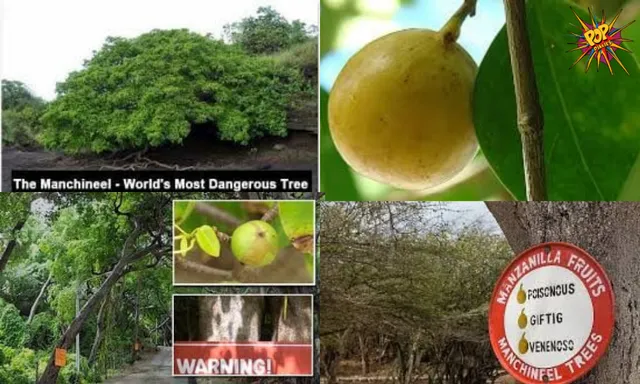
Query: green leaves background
[
  {"x": 153, "y": 89},
  {"x": 591, "y": 120}
]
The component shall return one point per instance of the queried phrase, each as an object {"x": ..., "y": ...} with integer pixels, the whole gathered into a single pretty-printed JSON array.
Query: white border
[
  {"x": 173, "y": 342},
  {"x": 173, "y": 255}
]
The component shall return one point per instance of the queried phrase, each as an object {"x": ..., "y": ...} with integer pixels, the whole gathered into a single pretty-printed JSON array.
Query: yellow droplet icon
[
  {"x": 523, "y": 345},
  {"x": 522, "y": 296},
  {"x": 522, "y": 320}
]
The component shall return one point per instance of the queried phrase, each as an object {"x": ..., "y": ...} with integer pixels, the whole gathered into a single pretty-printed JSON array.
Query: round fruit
[
  {"x": 522, "y": 296},
  {"x": 523, "y": 345},
  {"x": 522, "y": 320},
  {"x": 255, "y": 243},
  {"x": 400, "y": 110}
]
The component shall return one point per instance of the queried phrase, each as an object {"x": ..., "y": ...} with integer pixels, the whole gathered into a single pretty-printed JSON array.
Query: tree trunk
[
  {"x": 34, "y": 307},
  {"x": 136, "y": 326},
  {"x": 50, "y": 374},
  {"x": 4, "y": 259},
  {"x": 364, "y": 355},
  {"x": 609, "y": 231},
  {"x": 99, "y": 332}
]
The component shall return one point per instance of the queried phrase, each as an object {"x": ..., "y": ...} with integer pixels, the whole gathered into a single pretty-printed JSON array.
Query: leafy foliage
[
  {"x": 21, "y": 111},
  {"x": 579, "y": 147},
  {"x": 12, "y": 327},
  {"x": 399, "y": 281},
  {"x": 268, "y": 32},
  {"x": 156, "y": 88},
  {"x": 212, "y": 238}
]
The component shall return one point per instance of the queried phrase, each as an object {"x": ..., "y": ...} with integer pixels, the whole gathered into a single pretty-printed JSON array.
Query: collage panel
[
  {"x": 249, "y": 335},
  {"x": 160, "y": 97},
  {"x": 471, "y": 292},
  {"x": 244, "y": 242},
  {"x": 455, "y": 101}
]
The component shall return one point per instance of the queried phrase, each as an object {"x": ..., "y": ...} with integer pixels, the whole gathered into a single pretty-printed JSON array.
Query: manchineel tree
[
  {"x": 404, "y": 292},
  {"x": 154, "y": 89},
  {"x": 112, "y": 251},
  {"x": 609, "y": 232}
]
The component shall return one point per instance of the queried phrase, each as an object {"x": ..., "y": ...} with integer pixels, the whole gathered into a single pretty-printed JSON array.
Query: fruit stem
[
  {"x": 451, "y": 30},
  {"x": 181, "y": 230}
]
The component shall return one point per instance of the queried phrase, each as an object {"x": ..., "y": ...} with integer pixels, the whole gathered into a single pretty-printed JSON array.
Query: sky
[
  {"x": 42, "y": 41},
  {"x": 476, "y": 36}
]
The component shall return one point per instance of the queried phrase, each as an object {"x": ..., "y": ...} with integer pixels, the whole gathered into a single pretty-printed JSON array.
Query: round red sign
[{"x": 551, "y": 314}]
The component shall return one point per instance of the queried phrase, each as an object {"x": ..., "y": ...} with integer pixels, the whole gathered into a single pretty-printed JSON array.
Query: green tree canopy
[
  {"x": 267, "y": 32},
  {"x": 21, "y": 111},
  {"x": 153, "y": 89}
]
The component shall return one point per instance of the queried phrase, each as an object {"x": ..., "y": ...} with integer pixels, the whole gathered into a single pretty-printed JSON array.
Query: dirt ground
[{"x": 298, "y": 151}]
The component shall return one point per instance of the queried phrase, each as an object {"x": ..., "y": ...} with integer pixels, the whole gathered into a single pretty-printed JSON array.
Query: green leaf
[
  {"x": 208, "y": 240},
  {"x": 591, "y": 135},
  {"x": 182, "y": 210},
  {"x": 335, "y": 175},
  {"x": 296, "y": 218}
]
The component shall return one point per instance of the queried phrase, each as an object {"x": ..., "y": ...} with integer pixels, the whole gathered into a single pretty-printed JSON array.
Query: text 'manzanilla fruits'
[
  {"x": 255, "y": 243},
  {"x": 400, "y": 110}
]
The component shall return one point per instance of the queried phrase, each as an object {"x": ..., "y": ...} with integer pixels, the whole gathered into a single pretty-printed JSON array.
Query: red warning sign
[{"x": 551, "y": 314}]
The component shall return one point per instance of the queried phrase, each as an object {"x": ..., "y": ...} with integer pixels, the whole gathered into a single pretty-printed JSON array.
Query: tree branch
[
  {"x": 4, "y": 259},
  {"x": 271, "y": 214},
  {"x": 530, "y": 117},
  {"x": 200, "y": 268},
  {"x": 217, "y": 214}
]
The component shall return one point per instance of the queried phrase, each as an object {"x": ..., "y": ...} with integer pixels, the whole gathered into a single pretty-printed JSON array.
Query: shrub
[
  {"x": 21, "y": 112},
  {"x": 12, "y": 326},
  {"x": 153, "y": 89},
  {"x": 43, "y": 331}
]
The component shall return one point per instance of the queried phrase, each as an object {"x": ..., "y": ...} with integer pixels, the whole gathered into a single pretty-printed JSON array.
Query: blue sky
[{"x": 477, "y": 32}]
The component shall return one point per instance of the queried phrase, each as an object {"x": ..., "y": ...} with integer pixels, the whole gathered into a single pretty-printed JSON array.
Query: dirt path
[
  {"x": 298, "y": 151},
  {"x": 153, "y": 368}
]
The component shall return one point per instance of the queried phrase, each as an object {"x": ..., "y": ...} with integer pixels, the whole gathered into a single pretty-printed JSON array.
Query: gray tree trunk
[
  {"x": 34, "y": 307},
  {"x": 610, "y": 232},
  {"x": 99, "y": 332},
  {"x": 50, "y": 374}
]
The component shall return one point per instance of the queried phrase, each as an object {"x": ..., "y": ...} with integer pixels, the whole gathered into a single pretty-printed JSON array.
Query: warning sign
[
  {"x": 551, "y": 314},
  {"x": 60, "y": 358}
]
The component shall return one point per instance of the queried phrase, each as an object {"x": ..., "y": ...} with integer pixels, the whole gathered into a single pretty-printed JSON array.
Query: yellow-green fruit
[
  {"x": 400, "y": 110},
  {"x": 522, "y": 296},
  {"x": 255, "y": 243},
  {"x": 523, "y": 345},
  {"x": 522, "y": 320}
]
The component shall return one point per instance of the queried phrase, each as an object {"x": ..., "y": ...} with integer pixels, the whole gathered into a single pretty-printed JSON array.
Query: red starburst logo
[{"x": 600, "y": 40}]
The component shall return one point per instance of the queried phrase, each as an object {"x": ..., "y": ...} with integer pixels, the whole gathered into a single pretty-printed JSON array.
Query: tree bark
[
  {"x": 4, "y": 259},
  {"x": 609, "y": 232},
  {"x": 364, "y": 353},
  {"x": 135, "y": 351},
  {"x": 99, "y": 332},
  {"x": 34, "y": 307},
  {"x": 50, "y": 373}
]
